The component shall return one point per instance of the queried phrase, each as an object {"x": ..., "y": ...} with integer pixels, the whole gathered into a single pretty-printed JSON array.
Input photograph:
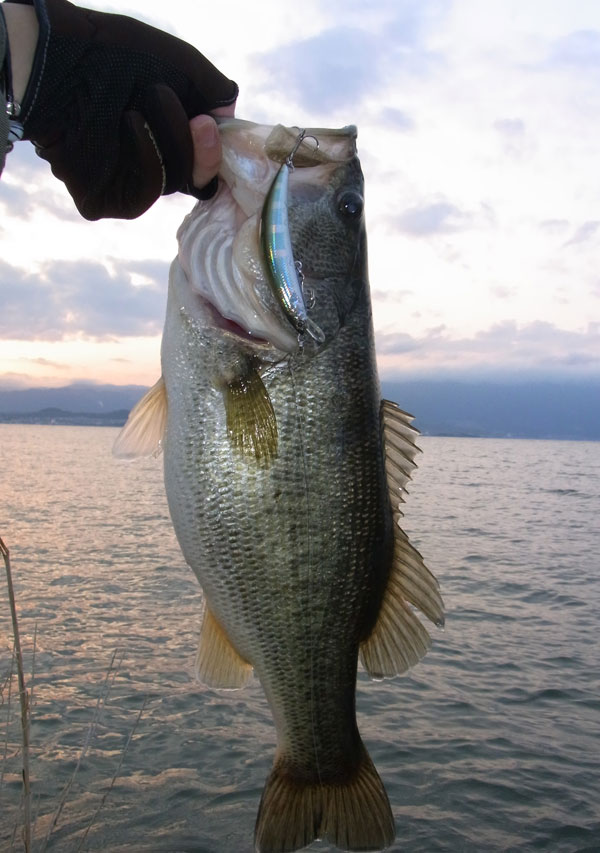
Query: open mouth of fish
[
  {"x": 225, "y": 270},
  {"x": 236, "y": 250},
  {"x": 230, "y": 326}
]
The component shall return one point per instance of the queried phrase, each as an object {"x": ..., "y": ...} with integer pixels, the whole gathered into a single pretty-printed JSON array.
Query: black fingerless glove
[{"x": 108, "y": 105}]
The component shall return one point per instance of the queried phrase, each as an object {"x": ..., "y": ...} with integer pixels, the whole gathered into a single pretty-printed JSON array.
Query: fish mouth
[
  {"x": 221, "y": 247},
  {"x": 230, "y": 326},
  {"x": 220, "y": 257}
]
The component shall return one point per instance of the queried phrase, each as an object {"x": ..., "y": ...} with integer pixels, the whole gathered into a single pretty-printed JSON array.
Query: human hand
[{"x": 110, "y": 109}]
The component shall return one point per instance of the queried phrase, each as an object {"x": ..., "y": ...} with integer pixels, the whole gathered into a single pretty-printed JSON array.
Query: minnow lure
[{"x": 284, "y": 273}]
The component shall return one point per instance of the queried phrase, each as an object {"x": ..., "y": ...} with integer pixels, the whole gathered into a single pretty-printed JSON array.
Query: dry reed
[{"x": 23, "y": 699}]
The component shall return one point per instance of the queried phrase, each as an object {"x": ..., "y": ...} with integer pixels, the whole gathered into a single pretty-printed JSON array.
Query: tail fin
[{"x": 353, "y": 815}]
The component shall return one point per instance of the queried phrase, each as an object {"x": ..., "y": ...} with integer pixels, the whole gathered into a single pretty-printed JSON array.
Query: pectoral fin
[
  {"x": 251, "y": 422},
  {"x": 217, "y": 662},
  {"x": 144, "y": 430},
  {"x": 399, "y": 639}
]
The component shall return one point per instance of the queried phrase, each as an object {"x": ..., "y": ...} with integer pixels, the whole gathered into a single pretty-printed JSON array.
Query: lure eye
[{"x": 351, "y": 205}]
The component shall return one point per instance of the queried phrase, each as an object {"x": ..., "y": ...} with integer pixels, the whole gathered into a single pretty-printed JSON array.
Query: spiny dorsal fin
[
  {"x": 144, "y": 431},
  {"x": 399, "y": 440},
  {"x": 251, "y": 422},
  {"x": 217, "y": 662},
  {"x": 399, "y": 640}
]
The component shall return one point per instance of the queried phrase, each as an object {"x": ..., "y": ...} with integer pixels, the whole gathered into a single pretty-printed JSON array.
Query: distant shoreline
[
  {"x": 553, "y": 410},
  {"x": 57, "y": 417}
]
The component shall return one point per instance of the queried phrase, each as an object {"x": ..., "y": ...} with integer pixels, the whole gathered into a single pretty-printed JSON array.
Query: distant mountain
[
  {"x": 61, "y": 417},
  {"x": 519, "y": 409},
  {"x": 535, "y": 409},
  {"x": 80, "y": 397}
]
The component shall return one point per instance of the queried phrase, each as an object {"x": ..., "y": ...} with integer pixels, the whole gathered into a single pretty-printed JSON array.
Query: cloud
[
  {"x": 11, "y": 381},
  {"x": 406, "y": 22},
  {"x": 512, "y": 135},
  {"x": 23, "y": 163},
  {"x": 510, "y": 127},
  {"x": 396, "y": 295},
  {"x": 27, "y": 186},
  {"x": 538, "y": 347},
  {"x": 396, "y": 119},
  {"x": 82, "y": 298},
  {"x": 554, "y": 226},
  {"x": 328, "y": 71},
  {"x": 45, "y": 362},
  {"x": 426, "y": 220},
  {"x": 580, "y": 50},
  {"x": 340, "y": 66},
  {"x": 584, "y": 233},
  {"x": 398, "y": 343},
  {"x": 21, "y": 203},
  {"x": 501, "y": 291}
]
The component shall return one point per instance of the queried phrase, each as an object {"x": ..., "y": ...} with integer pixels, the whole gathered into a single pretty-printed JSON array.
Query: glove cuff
[{"x": 39, "y": 58}]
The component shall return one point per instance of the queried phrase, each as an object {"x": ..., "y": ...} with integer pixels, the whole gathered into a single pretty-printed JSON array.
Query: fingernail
[{"x": 208, "y": 136}]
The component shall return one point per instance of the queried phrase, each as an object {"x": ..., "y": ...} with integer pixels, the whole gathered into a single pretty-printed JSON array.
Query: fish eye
[{"x": 351, "y": 204}]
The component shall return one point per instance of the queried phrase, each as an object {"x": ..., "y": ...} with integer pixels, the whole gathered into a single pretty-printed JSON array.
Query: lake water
[{"x": 492, "y": 743}]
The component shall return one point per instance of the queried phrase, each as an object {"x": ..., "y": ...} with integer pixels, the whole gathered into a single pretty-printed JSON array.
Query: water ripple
[{"x": 490, "y": 744}]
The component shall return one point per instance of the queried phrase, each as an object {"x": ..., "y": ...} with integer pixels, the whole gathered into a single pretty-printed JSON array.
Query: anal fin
[{"x": 217, "y": 662}]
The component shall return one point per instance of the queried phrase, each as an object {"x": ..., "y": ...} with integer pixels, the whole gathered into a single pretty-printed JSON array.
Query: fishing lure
[{"x": 284, "y": 273}]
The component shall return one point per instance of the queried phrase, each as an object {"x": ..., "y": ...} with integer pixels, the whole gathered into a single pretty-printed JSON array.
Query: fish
[{"x": 285, "y": 475}]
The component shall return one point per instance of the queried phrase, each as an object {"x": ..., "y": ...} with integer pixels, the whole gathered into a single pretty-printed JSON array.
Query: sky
[{"x": 479, "y": 138}]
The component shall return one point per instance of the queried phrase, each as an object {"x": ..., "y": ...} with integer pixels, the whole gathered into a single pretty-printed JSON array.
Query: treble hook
[{"x": 289, "y": 160}]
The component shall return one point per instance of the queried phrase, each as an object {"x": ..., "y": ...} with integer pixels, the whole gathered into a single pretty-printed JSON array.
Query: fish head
[
  {"x": 327, "y": 230},
  {"x": 220, "y": 252}
]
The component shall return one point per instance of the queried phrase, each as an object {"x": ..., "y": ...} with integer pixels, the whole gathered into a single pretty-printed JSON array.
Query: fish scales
[
  {"x": 281, "y": 496},
  {"x": 296, "y": 530}
]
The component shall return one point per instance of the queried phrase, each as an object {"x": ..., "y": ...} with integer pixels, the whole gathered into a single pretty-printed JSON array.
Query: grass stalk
[
  {"x": 108, "y": 683},
  {"x": 8, "y": 687},
  {"x": 23, "y": 698},
  {"x": 115, "y": 775}
]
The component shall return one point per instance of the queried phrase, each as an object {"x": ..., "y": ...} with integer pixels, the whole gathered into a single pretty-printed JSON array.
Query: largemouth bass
[{"x": 284, "y": 474}]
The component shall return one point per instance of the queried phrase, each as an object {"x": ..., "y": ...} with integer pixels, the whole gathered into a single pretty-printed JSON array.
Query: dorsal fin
[
  {"x": 217, "y": 662},
  {"x": 399, "y": 441},
  {"x": 399, "y": 640},
  {"x": 144, "y": 430}
]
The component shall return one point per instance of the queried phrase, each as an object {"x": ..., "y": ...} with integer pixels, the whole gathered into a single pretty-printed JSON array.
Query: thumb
[{"x": 207, "y": 149}]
